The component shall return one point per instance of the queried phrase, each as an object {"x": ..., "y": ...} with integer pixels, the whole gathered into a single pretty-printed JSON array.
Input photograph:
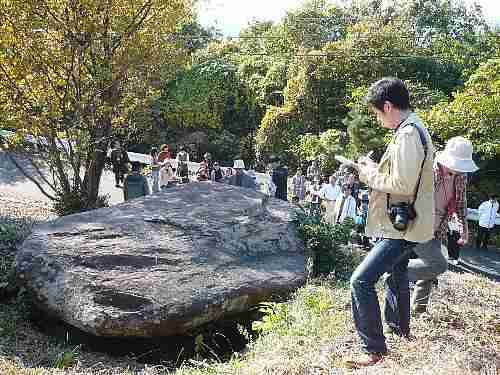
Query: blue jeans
[{"x": 388, "y": 255}]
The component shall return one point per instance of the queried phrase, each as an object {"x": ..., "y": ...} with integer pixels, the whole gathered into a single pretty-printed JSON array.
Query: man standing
[
  {"x": 400, "y": 213},
  {"x": 217, "y": 174},
  {"x": 207, "y": 158},
  {"x": 329, "y": 193},
  {"x": 240, "y": 178},
  {"x": 299, "y": 185},
  {"x": 315, "y": 199},
  {"x": 279, "y": 175},
  {"x": 182, "y": 165},
  {"x": 487, "y": 216},
  {"x": 119, "y": 161},
  {"x": 345, "y": 205}
]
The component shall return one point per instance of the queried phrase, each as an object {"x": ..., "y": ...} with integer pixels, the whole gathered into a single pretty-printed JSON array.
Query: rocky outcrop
[{"x": 164, "y": 264}]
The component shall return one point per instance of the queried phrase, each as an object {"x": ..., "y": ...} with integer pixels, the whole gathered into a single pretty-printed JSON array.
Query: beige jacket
[{"x": 397, "y": 174}]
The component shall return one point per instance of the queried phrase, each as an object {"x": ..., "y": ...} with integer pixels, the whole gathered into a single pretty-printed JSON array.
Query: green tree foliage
[
  {"x": 192, "y": 36},
  {"x": 278, "y": 131},
  {"x": 323, "y": 147},
  {"x": 315, "y": 23},
  {"x": 208, "y": 96},
  {"x": 455, "y": 19},
  {"x": 474, "y": 112}
]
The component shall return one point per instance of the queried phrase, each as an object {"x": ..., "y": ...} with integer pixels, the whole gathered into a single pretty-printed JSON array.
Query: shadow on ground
[{"x": 10, "y": 174}]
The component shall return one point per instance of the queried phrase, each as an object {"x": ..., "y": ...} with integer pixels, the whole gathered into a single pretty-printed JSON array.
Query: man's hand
[
  {"x": 461, "y": 242},
  {"x": 366, "y": 162}
]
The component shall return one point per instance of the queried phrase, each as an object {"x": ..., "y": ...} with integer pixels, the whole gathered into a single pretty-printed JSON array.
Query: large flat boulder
[{"x": 215, "y": 251}]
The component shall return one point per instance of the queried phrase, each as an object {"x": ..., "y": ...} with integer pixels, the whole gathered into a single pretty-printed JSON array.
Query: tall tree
[
  {"x": 65, "y": 67},
  {"x": 474, "y": 112}
]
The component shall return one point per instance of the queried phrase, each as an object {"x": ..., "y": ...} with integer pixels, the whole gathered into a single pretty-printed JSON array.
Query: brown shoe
[{"x": 364, "y": 360}]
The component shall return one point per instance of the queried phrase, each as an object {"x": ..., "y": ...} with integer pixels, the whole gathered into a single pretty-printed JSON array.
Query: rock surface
[{"x": 217, "y": 250}]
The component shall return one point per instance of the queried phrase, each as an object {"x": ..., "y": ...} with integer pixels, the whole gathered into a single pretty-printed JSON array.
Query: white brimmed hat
[
  {"x": 239, "y": 164},
  {"x": 457, "y": 155}
]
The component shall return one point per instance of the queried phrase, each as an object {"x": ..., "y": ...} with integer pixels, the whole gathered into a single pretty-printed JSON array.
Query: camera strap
[{"x": 424, "y": 145}]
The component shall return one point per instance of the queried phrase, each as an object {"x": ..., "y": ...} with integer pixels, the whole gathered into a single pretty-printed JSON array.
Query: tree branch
[{"x": 135, "y": 24}]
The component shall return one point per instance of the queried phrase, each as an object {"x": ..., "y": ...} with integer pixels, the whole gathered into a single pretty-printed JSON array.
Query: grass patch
[{"x": 309, "y": 334}]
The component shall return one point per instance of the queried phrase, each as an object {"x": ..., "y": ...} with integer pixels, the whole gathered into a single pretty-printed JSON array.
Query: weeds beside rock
[{"x": 329, "y": 251}]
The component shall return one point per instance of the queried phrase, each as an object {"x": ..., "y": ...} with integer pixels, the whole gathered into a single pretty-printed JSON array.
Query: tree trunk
[{"x": 97, "y": 162}]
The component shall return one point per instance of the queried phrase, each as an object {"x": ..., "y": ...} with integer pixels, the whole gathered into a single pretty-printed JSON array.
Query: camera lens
[{"x": 400, "y": 215}]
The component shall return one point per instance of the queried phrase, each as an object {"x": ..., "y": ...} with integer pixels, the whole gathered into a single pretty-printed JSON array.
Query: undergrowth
[{"x": 328, "y": 249}]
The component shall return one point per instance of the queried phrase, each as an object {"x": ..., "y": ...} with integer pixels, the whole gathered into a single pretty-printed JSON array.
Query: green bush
[
  {"x": 327, "y": 247},
  {"x": 76, "y": 202},
  {"x": 8, "y": 234}
]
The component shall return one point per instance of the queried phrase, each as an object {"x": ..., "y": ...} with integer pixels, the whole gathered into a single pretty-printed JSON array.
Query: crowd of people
[
  {"x": 335, "y": 197},
  {"x": 413, "y": 206},
  {"x": 166, "y": 171}
]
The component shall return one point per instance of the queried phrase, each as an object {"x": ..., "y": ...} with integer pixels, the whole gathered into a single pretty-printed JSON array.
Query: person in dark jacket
[
  {"x": 241, "y": 178},
  {"x": 135, "y": 185},
  {"x": 182, "y": 171},
  {"x": 119, "y": 160},
  {"x": 207, "y": 158},
  {"x": 217, "y": 175},
  {"x": 280, "y": 177}
]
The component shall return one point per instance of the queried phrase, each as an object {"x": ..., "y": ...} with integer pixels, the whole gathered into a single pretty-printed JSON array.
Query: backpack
[{"x": 134, "y": 184}]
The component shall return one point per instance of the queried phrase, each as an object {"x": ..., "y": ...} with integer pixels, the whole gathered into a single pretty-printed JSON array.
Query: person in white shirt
[
  {"x": 345, "y": 205},
  {"x": 487, "y": 216},
  {"x": 329, "y": 194}
]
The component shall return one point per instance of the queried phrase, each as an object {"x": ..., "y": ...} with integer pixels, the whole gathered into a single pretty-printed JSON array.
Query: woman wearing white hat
[{"x": 450, "y": 182}]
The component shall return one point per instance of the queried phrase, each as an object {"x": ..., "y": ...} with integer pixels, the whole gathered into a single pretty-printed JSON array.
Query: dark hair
[
  {"x": 273, "y": 158},
  {"x": 493, "y": 195},
  {"x": 154, "y": 151},
  {"x": 388, "y": 89},
  {"x": 346, "y": 187},
  {"x": 136, "y": 166}
]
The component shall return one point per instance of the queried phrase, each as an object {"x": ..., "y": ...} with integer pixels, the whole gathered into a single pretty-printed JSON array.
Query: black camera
[{"x": 401, "y": 214}]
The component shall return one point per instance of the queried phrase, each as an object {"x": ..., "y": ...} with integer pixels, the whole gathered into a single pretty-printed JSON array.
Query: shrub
[
  {"x": 327, "y": 247},
  {"x": 12, "y": 232},
  {"x": 8, "y": 234},
  {"x": 76, "y": 202}
]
